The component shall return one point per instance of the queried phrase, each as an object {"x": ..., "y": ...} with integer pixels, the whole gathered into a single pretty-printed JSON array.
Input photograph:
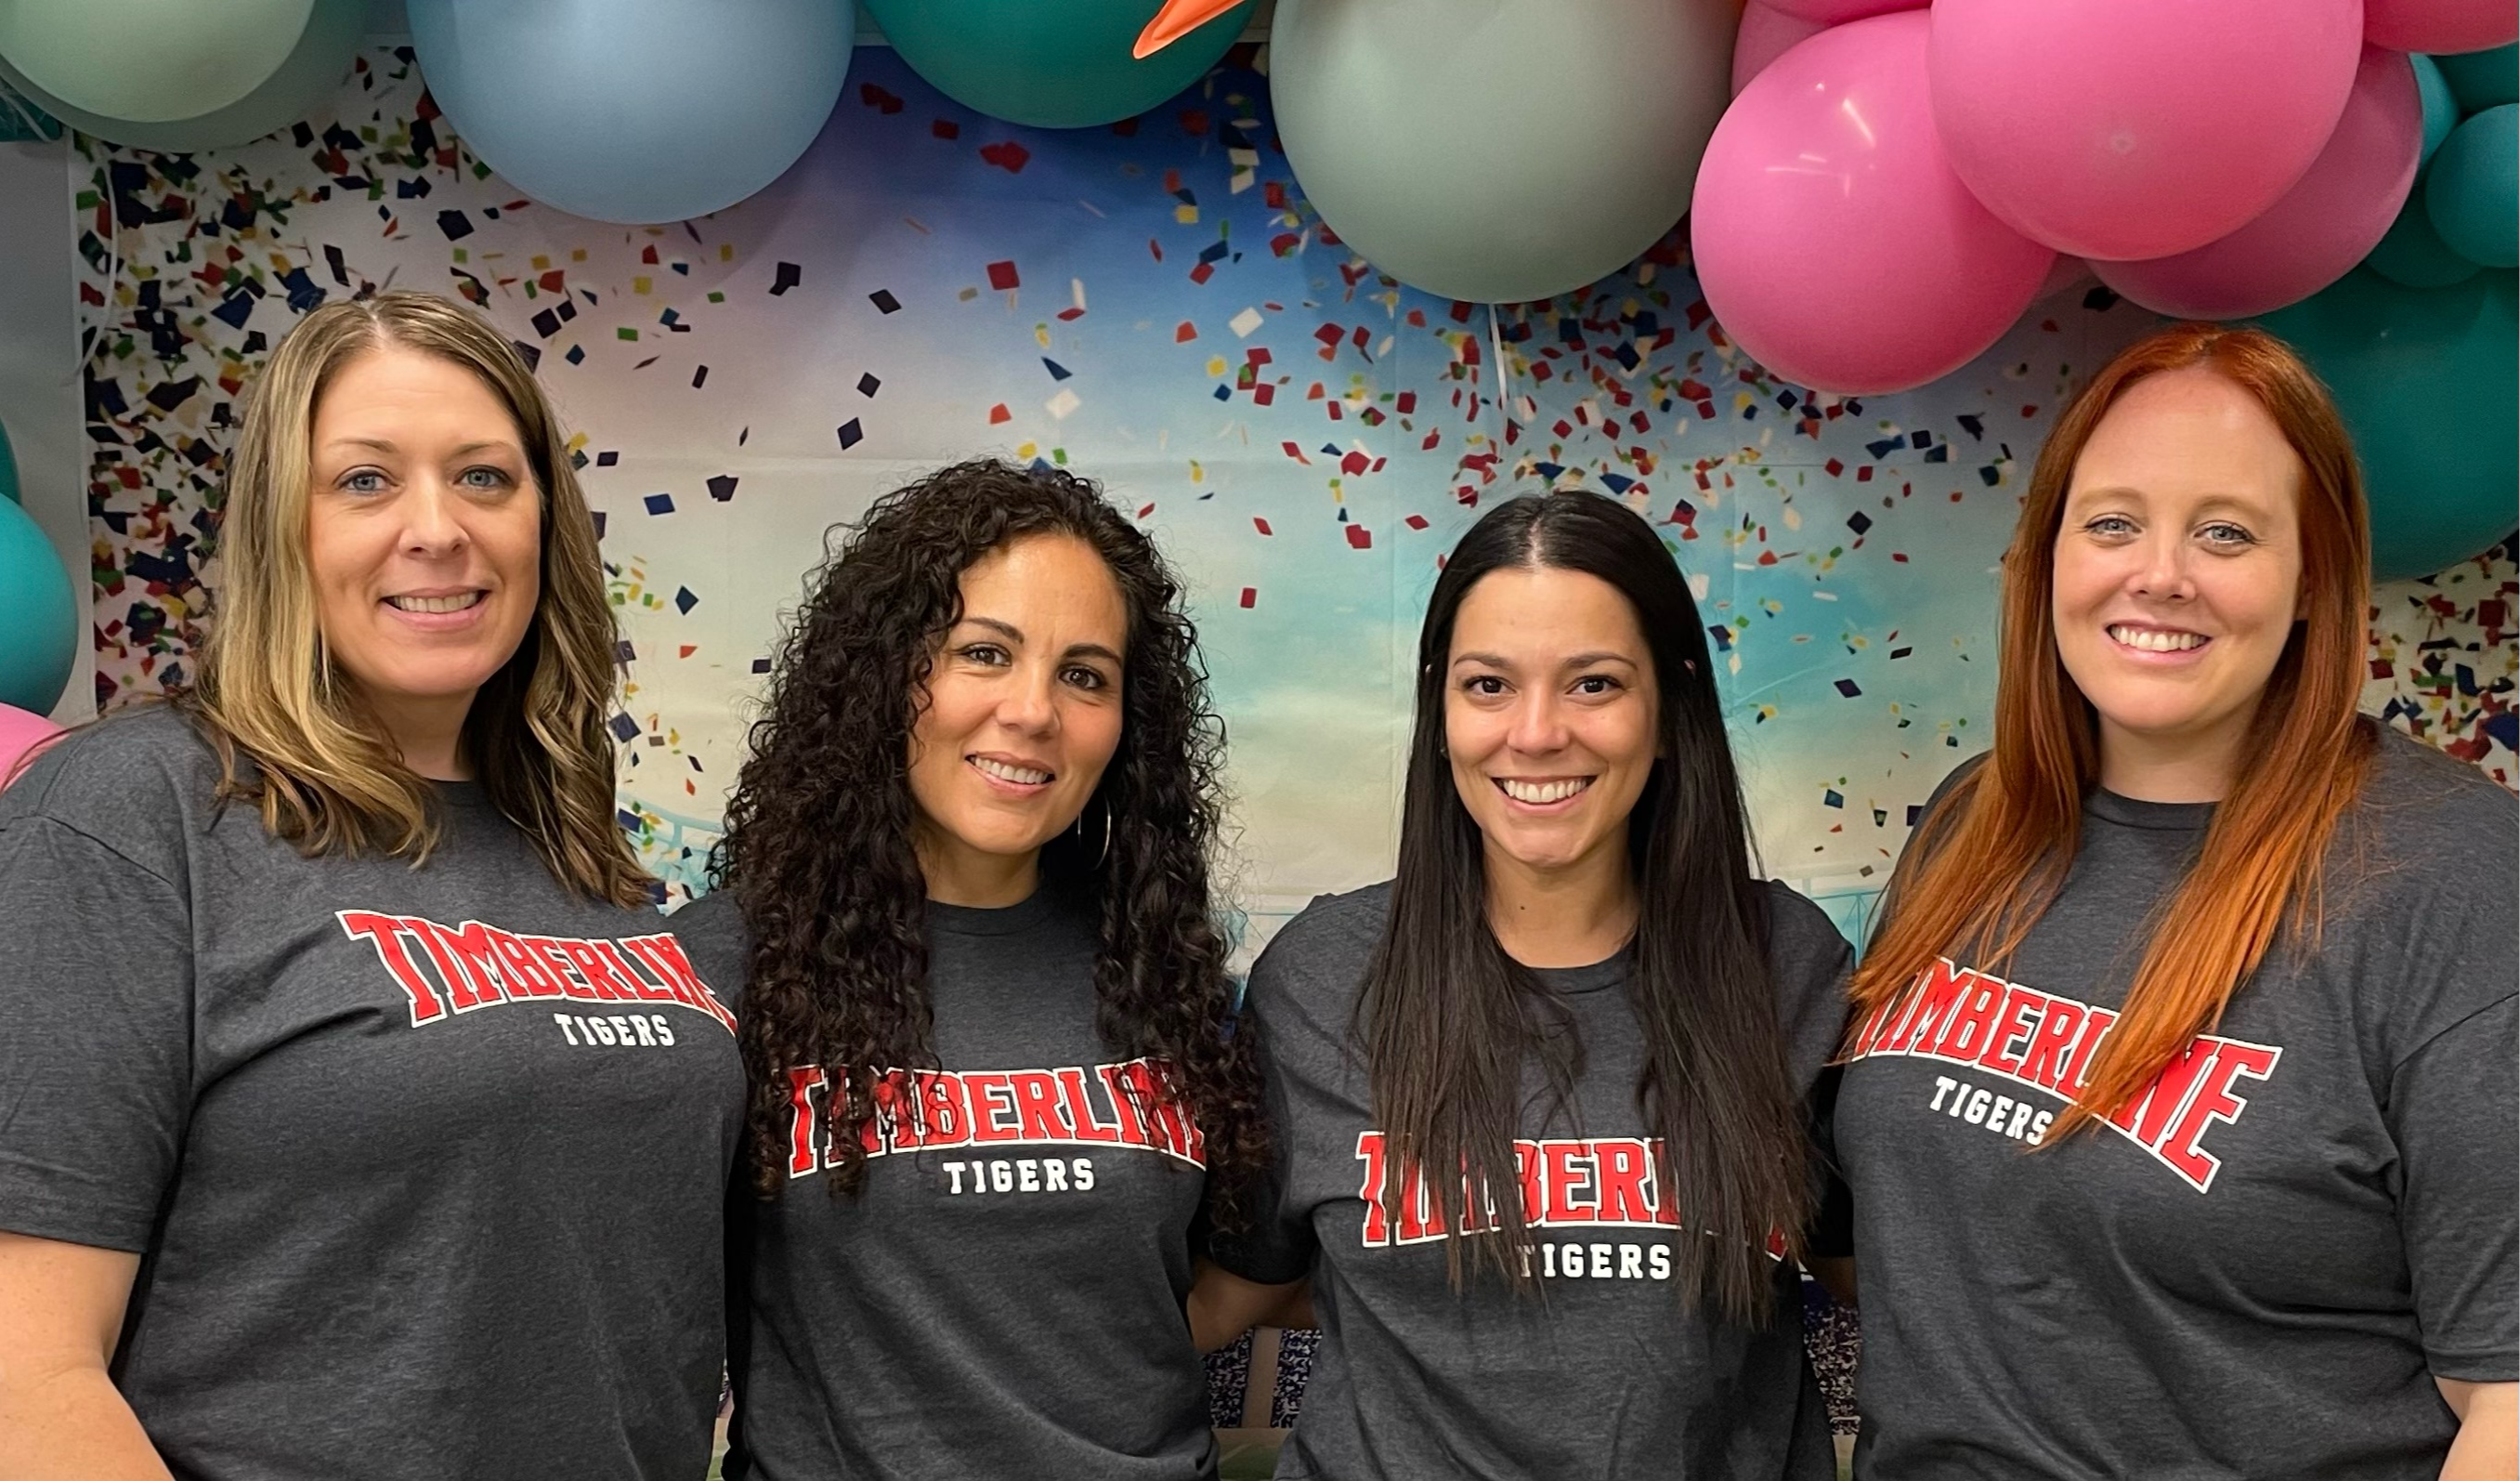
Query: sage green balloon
[
  {"x": 149, "y": 60},
  {"x": 313, "y": 58},
  {"x": 1499, "y": 151},
  {"x": 2427, "y": 380},
  {"x": 1050, "y": 64}
]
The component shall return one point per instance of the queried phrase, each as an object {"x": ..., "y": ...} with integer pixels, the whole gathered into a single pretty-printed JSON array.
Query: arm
[
  {"x": 1223, "y": 1306},
  {"x": 59, "y": 1414},
  {"x": 2489, "y": 1414}
]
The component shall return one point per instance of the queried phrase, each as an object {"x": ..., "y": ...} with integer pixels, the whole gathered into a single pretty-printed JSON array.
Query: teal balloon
[
  {"x": 306, "y": 80},
  {"x": 1050, "y": 63},
  {"x": 2428, "y": 382},
  {"x": 8, "y": 470},
  {"x": 38, "y": 619},
  {"x": 2440, "y": 105},
  {"x": 2484, "y": 80},
  {"x": 2472, "y": 193},
  {"x": 2412, "y": 254}
]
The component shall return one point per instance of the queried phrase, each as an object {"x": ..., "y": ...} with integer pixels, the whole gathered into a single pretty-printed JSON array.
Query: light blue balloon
[
  {"x": 635, "y": 111},
  {"x": 2440, "y": 105},
  {"x": 2484, "y": 80},
  {"x": 2472, "y": 192},
  {"x": 2412, "y": 254},
  {"x": 300, "y": 85},
  {"x": 2428, "y": 383},
  {"x": 38, "y": 619},
  {"x": 1050, "y": 63}
]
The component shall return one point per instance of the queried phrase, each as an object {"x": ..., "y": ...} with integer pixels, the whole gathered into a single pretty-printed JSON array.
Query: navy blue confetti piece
[
  {"x": 624, "y": 729},
  {"x": 868, "y": 385},
  {"x": 851, "y": 435},
  {"x": 700, "y": 378},
  {"x": 684, "y": 600},
  {"x": 606, "y": 459},
  {"x": 789, "y": 275},
  {"x": 1847, "y": 687},
  {"x": 1224, "y": 393},
  {"x": 1897, "y": 654},
  {"x": 722, "y": 487},
  {"x": 661, "y": 503},
  {"x": 1831, "y": 799},
  {"x": 547, "y": 323},
  {"x": 1859, "y": 522},
  {"x": 761, "y": 665},
  {"x": 454, "y": 224},
  {"x": 1057, "y": 372},
  {"x": 884, "y": 301},
  {"x": 624, "y": 653},
  {"x": 1972, "y": 423},
  {"x": 577, "y": 354},
  {"x": 1884, "y": 447}
]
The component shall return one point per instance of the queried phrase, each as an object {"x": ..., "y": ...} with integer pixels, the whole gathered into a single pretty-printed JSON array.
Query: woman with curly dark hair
[{"x": 965, "y": 883}]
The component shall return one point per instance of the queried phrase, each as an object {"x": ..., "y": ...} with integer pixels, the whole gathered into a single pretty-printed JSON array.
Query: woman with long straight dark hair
[{"x": 1540, "y": 1101}]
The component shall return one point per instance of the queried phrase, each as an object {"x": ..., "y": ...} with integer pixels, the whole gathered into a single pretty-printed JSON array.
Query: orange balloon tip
[{"x": 1178, "y": 19}]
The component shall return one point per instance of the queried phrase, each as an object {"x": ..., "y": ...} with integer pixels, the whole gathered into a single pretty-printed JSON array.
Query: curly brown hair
[{"x": 818, "y": 842}]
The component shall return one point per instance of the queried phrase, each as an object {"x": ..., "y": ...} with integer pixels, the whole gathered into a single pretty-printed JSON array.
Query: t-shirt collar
[{"x": 2132, "y": 812}]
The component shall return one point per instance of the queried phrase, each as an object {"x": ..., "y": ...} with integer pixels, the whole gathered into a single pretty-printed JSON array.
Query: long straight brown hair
[{"x": 1994, "y": 851}]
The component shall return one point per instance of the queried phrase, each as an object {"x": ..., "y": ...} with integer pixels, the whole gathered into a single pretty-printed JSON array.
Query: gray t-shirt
[
  {"x": 426, "y": 1166},
  {"x": 2258, "y": 1270},
  {"x": 1599, "y": 1374},
  {"x": 1003, "y": 1297}
]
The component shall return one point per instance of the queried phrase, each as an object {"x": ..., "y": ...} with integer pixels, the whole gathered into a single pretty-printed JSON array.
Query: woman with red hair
[{"x": 2179, "y": 1104}]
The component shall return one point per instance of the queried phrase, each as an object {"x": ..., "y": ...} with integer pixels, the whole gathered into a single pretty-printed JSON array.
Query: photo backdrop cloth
[{"x": 1153, "y": 306}]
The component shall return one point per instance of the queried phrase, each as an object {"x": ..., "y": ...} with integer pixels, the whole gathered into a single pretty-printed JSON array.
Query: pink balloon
[
  {"x": 2439, "y": 26},
  {"x": 2123, "y": 129},
  {"x": 19, "y": 734},
  {"x": 1832, "y": 241},
  {"x": 1840, "y": 11},
  {"x": 2320, "y": 228},
  {"x": 1767, "y": 33}
]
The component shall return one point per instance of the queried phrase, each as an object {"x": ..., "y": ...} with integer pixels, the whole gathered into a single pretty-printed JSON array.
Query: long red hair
[{"x": 1994, "y": 851}]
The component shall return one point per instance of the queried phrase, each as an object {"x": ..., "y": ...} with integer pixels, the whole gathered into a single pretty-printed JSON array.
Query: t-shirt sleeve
[
  {"x": 2452, "y": 1110},
  {"x": 1275, "y": 1245},
  {"x": 95, "y": 1036}
]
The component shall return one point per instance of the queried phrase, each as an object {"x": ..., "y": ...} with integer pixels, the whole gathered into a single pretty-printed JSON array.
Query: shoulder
[
  {"x": 1810, "y": 962},
  {"x": 1321, "y": 955},
  {"x": 2416, "y": 796},
  {"x": 712, "y": 934},
  {"x": 138, "y": 782}
]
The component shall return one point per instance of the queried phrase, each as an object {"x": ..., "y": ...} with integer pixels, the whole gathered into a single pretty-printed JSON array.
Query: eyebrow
[
  {"x": 384, "y": 445},
  {"x": 2209, "y": 502},
  {"x": 1579, "y": 660},
  {"x": 1014, "y": 634}
]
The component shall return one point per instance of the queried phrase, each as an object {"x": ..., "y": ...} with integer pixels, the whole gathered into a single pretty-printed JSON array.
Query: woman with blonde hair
[
  {"x": 2179, "y": 1114},
  {"x": 357, "y": 1116}
]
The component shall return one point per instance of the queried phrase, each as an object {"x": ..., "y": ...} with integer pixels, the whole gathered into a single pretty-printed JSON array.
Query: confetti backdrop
[{"x": 1154, "y": 305}]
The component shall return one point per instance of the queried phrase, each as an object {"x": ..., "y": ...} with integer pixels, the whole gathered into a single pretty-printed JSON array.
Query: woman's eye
[
  {"x": 365, "y": 480},
  {"x": 1086, "y": 678},
  {"x": 2111, "y": 524},
  {"x": 1597, "y": 683},
  {"x": 1487, "y": 685},
  {"x": 484, "y": 477},
  {"x": 2228, "y": 534},
  {"x": 984, "y": 653}
]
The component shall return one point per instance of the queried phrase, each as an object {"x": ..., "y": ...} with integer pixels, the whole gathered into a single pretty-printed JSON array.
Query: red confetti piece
[
  {"x": 1260, "y": 524},
  {"x": 1296, "y": 453},
  {"x": 1353, "y": 464},
  {"x": 1250, "y": 596},
  {"x": 1155, "y": 248},
  {"x": 946, "y": 128},
  {"x": 1185, "y": 331},
  {"x": 688, "y": 649},
  {"x": 1202, "y": 272},
  {"x": 999, "y": 413},
  {"x": 1359, "y": 537},
  {"x": 1002, "y": 276},
  {"x": 1070, "y": 315},
  {"x": 1416, "y": 521},
  {"x": 1009, "y": 155}
]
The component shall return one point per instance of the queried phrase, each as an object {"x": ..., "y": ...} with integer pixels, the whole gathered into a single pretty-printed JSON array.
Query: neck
[
  {"x": 427, "y": 732},
  {"x": 1571, "y": 914},
  {"x": 958, "y": 874},
  {"x": 2185, "y": 768}
]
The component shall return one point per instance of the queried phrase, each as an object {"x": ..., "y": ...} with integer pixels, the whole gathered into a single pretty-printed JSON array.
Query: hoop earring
[{"x": 1079, "y": 826}]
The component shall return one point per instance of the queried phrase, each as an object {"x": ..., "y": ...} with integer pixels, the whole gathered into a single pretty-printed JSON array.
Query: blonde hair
[{"x": 324, "y": 775}]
